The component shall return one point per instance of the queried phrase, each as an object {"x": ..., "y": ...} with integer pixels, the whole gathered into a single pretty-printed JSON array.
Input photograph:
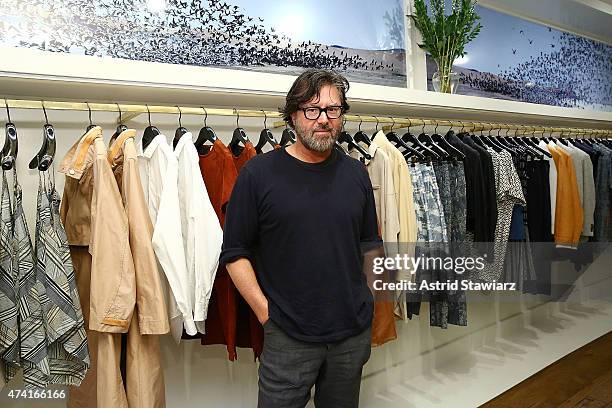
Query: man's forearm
[{"x": 242, "y": 274}]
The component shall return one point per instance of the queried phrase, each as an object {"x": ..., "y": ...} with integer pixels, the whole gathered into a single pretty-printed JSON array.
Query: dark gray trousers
[{"x": 289, "y": 368}]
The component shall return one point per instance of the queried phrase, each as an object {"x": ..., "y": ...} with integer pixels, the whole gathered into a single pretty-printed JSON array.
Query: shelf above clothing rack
[
  {"x": 130, "y": 111},
  {"x": 25, "y": 74}
]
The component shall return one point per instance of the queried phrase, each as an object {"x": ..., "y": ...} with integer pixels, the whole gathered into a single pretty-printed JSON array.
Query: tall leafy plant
[{"x": 445, "y": 36}]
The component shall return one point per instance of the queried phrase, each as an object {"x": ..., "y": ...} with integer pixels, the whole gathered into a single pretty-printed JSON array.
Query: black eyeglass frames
[{"x": 313, "y": 112}]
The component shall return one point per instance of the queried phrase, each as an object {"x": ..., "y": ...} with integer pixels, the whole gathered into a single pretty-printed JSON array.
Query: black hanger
[
  {"x": 510, "y": 145},
  {"x": 461, "y": 133},
  {"x": 557, "y": 139},
  {"x": 600, "y": 140},
  {"x": 239, "y": 136},
  {"x": 46, "y": 154},
  {"x": 476, "y": 139},
  {"x": 524, "y": 145},
  {"x": 265, "y": 136},
  {"x": 376, "y": 129},
  {"x": 605, "y": 141},
  {"x": 9, "y": 150},
  {"x": 206, "y": 134},
  {"x": 588, "y": 140},
  {"x": 494, "y": 142},
  {"x": 393, "y": 137},
  {"x": 484, "y": 141},
  {"x": 361, "y": 136},
  {"x": 91, "y": 125},
  {"x": 345, "y": 137},
  {"x": 428, "y": 141},
  {"x": 180, "y": 131},
  {"x": 453, "y": 151},
  {"x": 534, "y": 146},
  {"x": 339, "y": 147},
  {"x": 551, "y": 137},
  {"x": 120, "y": 127},
  {"x": 422, "y": 150},
  {"x": 505, "y": 141},
  {"x": 511, "y": 141},
  {"x": 150, "y": 132},
  {"x": 288, "y": 136},
  {"x": 561, "y": 139},
  {"x": 535, "y": 140},
  {"x": 514, "y": 142}
]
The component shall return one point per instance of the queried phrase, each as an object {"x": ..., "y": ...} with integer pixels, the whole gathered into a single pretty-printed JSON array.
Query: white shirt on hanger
[
  {"x": 202, "y": 234},
  {"x": 159, "y": 176}
]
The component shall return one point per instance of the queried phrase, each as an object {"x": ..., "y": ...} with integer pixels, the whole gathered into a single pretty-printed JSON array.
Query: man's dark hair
[{"x": 308, "y": 85}]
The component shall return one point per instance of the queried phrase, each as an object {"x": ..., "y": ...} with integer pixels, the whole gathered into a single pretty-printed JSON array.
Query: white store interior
[{"x": 504, "y": 342}]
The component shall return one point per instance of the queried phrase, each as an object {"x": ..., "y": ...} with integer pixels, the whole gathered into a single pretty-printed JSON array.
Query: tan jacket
[
  {"x": 404, "y": 197},
  {"x": 380, "y": 170},
  {"x": 107, "y": 221},
  {"x": 403, "y": 189},
  {"x": 152, "y": 314},
  {"x": 93, "y": 216}
]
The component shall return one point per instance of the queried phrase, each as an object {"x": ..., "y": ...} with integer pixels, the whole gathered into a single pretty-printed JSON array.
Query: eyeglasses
[{"x": 313, "y": 112}]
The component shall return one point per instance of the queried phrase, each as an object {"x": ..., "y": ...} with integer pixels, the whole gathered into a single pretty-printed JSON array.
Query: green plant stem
[
  {"x": 449, "y": 62},
  {"x": 452, "y": 53},
  {"x": 444, "y": 69}
]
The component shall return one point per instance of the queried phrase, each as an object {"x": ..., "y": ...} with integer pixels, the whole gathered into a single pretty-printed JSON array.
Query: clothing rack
[
  {"x": 132, "y": 110},
  {"x": 129, "y": 111},
  {"x": 492, "y": 126}
]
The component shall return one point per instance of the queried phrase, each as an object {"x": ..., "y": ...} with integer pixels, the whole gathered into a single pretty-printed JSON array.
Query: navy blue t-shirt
[{"x": 304, "y": 227}]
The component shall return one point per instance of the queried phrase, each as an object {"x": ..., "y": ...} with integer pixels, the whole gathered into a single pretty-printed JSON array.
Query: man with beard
[{"x": 297, "y": 223}]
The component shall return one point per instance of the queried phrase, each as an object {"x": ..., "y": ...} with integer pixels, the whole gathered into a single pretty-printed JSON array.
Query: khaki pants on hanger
[{"x": 103, "y": 386}]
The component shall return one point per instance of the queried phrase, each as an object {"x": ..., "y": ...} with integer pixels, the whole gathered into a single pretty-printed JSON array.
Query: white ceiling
[{"x": 588, "y": 18}]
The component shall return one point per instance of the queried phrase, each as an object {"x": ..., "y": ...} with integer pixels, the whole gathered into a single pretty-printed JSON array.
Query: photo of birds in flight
[
  {"x": 521, "y": 60},
  {"x": 211, "y": 33}
]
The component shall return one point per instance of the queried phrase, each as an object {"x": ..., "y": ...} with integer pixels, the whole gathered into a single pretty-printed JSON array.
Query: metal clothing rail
[
  {"x": 129, "y": 111},
  {"x": 492, "y": 127},
  {"x": 125, "y": 108},
  {"x": 394, "y": 123}
]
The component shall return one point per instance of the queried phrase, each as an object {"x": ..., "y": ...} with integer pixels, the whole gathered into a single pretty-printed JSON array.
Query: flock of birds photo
[
  {"x": 575, "y": 73},
  {"x": 193, "y": 32}
]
